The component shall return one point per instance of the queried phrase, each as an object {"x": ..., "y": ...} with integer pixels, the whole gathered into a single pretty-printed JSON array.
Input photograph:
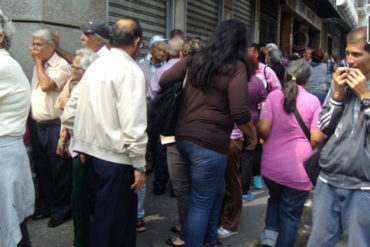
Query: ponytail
[{"x": 290, "y": 95}]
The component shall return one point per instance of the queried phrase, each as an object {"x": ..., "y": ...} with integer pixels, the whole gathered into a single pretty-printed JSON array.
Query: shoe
[
  {"x": 171, "y": 241},
  {"x": 223, "y": 233},
  {"x": 257, "y": 182},
  {"x": 247, "y": 197},
  {"x": 40, "y": 216},
  {"x": 140, "y": 226},
  {"x": 54, "y": 222},
  {"x": 218, "y": 244}
]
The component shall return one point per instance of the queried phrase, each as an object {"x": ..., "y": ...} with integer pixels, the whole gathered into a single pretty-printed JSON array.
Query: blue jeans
[
  {"x": 140, "y": 203},
  {"x": 336, "y": 210},
  {"x": 284, "y": 211},
  {"x": 207, "y": 170}
]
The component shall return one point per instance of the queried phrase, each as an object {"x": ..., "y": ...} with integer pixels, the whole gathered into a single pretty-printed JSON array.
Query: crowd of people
[{"x": 86, "y": 118}]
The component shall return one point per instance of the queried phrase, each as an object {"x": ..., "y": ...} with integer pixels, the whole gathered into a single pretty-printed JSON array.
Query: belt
[{"x": 48, "y": 122}]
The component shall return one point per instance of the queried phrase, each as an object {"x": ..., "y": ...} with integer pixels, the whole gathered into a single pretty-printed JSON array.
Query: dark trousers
[
  {"x": 232, "y": 205},
  {"x": 54, "y": 175},
  {"x": 250, "y": 164},
  {"x": 161, "y": 175},
  {"x": 25, "y": 241},
  {"x": 83, "y": 200},
  {"x": 114, "y": 220},
  {"x": 179, "y": 170}
]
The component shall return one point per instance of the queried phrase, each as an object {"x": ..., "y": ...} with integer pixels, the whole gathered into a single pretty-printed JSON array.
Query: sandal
[
  {"x": 171, "y": 240},
  {"x": 175, "y": 229}
]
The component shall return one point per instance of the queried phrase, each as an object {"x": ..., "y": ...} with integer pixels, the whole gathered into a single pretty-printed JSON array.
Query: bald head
[
  {"x": 359, "y": 35},
  {"x": 125, "y": 31},
  {"x": 174, "y": 47}
]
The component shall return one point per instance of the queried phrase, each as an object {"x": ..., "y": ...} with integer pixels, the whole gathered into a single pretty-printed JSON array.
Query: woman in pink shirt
[{"x": 285, "y": 148}]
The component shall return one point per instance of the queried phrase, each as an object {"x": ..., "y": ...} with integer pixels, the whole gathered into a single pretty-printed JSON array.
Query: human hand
[
  {"x": 82, "y": 158},
  {"x": 357, "y": 81},
  {"x": 339, "y": 77},
  {"x": 35, "y": 53},
  {"x": 140, "y": 179},
  {"x": 252, "y": 143},
  {"x": 57, "y": 38}
]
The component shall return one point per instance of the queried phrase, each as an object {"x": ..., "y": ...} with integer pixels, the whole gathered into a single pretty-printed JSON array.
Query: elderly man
[
  {"x": 342, "y": 193},
  {"x": 114, "y": 140},
  {"x": 53, "y": 171},
  {"x": 152, "y": 63},
  {"x": 95, "y": 35},
  {"x": 307, "y": 55}
]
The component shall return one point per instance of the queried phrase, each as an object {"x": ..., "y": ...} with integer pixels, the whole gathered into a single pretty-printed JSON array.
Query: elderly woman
[
  {"x": 273, "y": 59},
  {"x": 317, "y": 84},
  {"x": 17, "y": 194},
  {"x": 81, "y": 197},
  {"x": 215, "y": 97},
  {"x": 286, "y": 147}
]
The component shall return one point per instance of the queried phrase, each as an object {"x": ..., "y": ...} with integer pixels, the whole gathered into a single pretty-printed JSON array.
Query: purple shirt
[
  {"x": 153, "y": 86},
  {"x": 287, "y": 146},
  {"x": 272, "y": 80}
]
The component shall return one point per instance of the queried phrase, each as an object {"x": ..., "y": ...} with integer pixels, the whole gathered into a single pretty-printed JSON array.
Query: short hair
[
  {"x": 273, "y": 52},
  {"x": 174, "y": 47},
  {"x": 272, "y": 46},
  {"x": 254, "y": 45},
  {"x": 317, "y": 56},
  {"x": 46, "y": 35},
  {"x": 359, "y": 35},
  {"x": 87, "y": 57},
  {"x": 103, "y": 40},
  {"x": 125, "y": 35},
  {"x": 7, "y": 26},
  {"x": 176, "y": 31}
]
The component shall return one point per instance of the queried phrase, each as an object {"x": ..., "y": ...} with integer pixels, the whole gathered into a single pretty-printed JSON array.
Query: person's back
[{"x": 317, "y": 82}]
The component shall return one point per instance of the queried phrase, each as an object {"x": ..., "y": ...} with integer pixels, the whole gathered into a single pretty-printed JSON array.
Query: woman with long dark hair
[
  {"x": 285, "y": 148},
  {"x": 215, "y": 97}
]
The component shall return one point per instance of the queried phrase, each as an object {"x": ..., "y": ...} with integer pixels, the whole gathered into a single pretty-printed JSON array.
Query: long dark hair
[
  {"x": 297, "y": 73},
  {"x": 225, "y": 47}
]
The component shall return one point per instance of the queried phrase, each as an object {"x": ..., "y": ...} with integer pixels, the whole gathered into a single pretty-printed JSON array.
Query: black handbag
[
  {"x": 163, "y": 111},
  {"x": 311, "y": 165}
]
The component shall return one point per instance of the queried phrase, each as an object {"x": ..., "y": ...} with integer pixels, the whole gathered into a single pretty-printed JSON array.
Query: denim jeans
[
  {"x": 207, "y": 170},
  {"x": 140, "y": 203},
  {"x": 336, "y": 210},
  {"x": 284, "y": 211}
]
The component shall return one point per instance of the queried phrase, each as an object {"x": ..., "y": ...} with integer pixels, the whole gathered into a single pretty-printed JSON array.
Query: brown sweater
[{"x": 207, "y": 119}]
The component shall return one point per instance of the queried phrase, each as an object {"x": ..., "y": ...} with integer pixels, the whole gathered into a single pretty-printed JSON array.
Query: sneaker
[
  {"x": 247, "y": 197},
  {"x": 257, "y": 182},
  {"x": 140, "y": 226},
  {"x": 223, "y": 233}
]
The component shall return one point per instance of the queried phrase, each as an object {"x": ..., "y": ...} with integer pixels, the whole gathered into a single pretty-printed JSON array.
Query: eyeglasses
[{"x": 75, "y": 67}]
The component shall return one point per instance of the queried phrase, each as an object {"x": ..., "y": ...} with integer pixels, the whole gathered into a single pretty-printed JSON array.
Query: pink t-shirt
[{"x": 287, "y": 147}]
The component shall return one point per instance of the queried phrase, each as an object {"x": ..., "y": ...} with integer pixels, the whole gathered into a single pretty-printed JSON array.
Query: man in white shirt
[
  {"x": 53, "y": 172},
  {"x": 107, "y": 113},
  {"x": 95, "y": 35}
]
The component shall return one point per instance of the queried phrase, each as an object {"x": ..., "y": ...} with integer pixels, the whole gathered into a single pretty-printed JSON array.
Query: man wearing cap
[
  {"x": 95, "y": 35},
  {"x": 50, "y": 74}
]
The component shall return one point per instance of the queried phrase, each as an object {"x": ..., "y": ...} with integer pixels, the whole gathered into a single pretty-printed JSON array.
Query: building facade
[{"x": 292, "y": 24}]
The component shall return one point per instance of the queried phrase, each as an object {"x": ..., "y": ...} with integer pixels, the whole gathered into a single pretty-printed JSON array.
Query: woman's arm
[
  {"x": 175, "y": 74},
  {"x": 316, "y": 137},
  {"x": 264, "y": 128}
]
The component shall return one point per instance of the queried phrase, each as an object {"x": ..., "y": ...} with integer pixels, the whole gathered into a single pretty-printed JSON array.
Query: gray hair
[
  {"x": 87, "y": 57},
  {"x": 46, "y": 35},
  {"x": 174, "y": 47},
  {"x": 8, "y": 28},
  {"x": 274, "y": 53},
  {"x": 299, "y": 69},
  {"x": 103, "y": 40}
]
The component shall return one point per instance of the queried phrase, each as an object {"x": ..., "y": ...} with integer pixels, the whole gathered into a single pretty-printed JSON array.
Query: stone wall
[{"x": 64, "y": 16}]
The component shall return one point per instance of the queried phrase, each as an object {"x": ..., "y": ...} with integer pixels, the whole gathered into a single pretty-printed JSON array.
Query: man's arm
[
  {"x": 333, "y": 106},
  {"x": 64, "y": 54},
  {"x": 251, "y": 134}
]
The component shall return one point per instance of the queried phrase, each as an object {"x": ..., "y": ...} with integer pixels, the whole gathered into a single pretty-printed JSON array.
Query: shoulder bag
[{"x": 311, "y": 165}]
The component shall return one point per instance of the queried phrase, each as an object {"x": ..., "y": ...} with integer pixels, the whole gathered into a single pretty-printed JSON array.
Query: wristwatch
[{"x": 365, "y": 102}]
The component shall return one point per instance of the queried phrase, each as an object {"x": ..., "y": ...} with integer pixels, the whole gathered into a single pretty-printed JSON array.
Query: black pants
[
  {"x": 158, "y": 153},
  {"x": 54, "y": 172},
  {"x": 250, "y": 165},
  {"x": 114, "y": 220},
  {"x": 25, "y": 241}
]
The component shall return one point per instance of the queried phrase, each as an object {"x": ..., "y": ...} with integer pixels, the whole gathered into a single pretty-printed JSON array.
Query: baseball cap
[
  {"x": 156, "y": 38},
  {"x": 98, "y": 27}
]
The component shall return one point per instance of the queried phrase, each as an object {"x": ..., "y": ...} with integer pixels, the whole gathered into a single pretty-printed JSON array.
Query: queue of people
[{"x": 236, "y": 127}]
